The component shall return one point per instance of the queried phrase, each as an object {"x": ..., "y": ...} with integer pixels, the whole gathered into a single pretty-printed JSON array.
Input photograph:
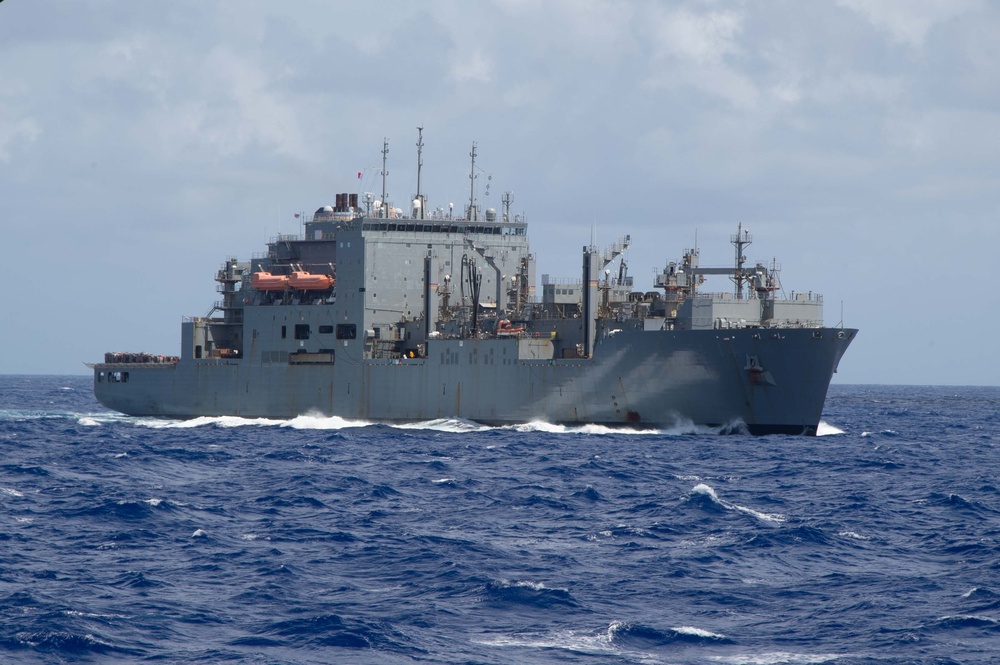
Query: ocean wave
[
  {"x": 826, "y": 429},
  {"x": 573, "y": 641},
  {"x": 135, "y": 579},
  {"x": 67, "y": 644},
  {"x": 486, "y": 544},
  {"x": 779, "y": 658},
  {"x": 122, "y": 509},
  {"x": 639, "y": 635},
  {"x": 705, "y": 497},
  {"x": 455, "y": 425},
  {"x": 963, "y": 621},
  {"x": 318, "y": 421},
  {"x": 312, "y": 421},
  {"x": 853, "y": 535},
  {"x": 552, "y": 428},
  {"x": 592, "y": 644},
  {"x": 793, "y": 536},
  {"x": 624, "y": 641},
  {"x": 329, "y": 630},
  {"x": 28, "y": 415},
  {"x": 527, "y": 594}
]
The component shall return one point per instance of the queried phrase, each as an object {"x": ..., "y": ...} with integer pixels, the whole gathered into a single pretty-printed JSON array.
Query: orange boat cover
[
  {"x": 309, "y": 281},
  {"x": 265, "y": 281}
]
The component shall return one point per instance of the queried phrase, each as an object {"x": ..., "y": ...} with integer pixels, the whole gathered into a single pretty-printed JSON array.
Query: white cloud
[
  {"x": 874, "y": 118},
  {"x": 854, "y": 87},
  {"x": 909, "y": 21},
  {"x": 693, "y": 50},
  {"x": 12, "y": 131},
  {"x": 228, "y": 107},
  {"x": 703, "y": 39},
  {"x": 574, "y": 20},
  {"x": 528, "y": 93},
  {"x": 470, "y": 67}
]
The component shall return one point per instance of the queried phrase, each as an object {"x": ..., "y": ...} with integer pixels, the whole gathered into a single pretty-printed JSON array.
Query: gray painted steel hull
[{"x": 766, "y": 380}]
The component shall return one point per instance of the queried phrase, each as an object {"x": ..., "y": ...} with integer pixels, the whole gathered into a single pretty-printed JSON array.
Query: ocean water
[{"x": 316, "y": 540}]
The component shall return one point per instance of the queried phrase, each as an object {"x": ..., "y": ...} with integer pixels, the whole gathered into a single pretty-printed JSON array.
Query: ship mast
[
  {"x": 418, "y": 200},
  {"x": 472, "y": 185},
  {"x": 385, "y": 172},
  {"x": 508, "y": 198},
  {"x": 740, "y": 240}
]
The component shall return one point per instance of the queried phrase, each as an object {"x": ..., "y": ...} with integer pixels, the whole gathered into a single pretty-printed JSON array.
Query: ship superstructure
[{"x": 374, "y": 313}]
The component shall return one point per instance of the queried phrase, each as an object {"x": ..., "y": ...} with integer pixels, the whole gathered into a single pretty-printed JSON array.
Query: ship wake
[{"x": 318, "y": 421}]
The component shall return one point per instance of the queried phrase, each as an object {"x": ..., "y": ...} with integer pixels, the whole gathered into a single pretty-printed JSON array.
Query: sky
[{"x": 142, "y": 143}]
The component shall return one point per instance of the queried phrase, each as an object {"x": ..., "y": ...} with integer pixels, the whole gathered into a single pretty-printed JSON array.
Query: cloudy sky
[{"x": 141, "y": 143}]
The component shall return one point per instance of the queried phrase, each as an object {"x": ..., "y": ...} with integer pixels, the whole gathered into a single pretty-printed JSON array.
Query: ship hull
[{"x": 757, "y": 380}]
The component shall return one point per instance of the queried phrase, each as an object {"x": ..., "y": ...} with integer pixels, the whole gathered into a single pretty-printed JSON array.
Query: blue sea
[{"x": 319, "y": 540}]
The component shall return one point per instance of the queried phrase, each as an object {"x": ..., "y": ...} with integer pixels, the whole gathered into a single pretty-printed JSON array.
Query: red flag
[
  {"x": 296, "y": 215},
  {"x": 359, "y": 175}
]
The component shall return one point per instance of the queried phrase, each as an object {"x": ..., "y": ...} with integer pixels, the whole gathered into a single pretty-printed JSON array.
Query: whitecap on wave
[
  {"x": 780, "y": 658},
  {"x": 316, "y": 421},
  {"x": 698, "y": 632},
  {"x": 853, "y": 534},
  {"x": 551, "y": 428},
  {"x": 446, "y": 425},
  {"x": 319, "y": 421},
  {"x": 306, "y": 421},
  {"x": 312, "y": 421},
  {"x": 707, "y": 491},
  {"x": 826, "y": 429},
  {"x": 569, "y": 640},
  {"x": 621, "y": 639},
  {"x": 224, "y": 421}
]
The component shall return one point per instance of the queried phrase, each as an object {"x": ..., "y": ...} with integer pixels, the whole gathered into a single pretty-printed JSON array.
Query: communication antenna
[
  {"x": 508, "y": 198},
  {"x": 385, "y": 173},
  {"x": 472, "y": 185},
  {"x": 740, "y": 240},
  {"x": 420, "y": 162}
]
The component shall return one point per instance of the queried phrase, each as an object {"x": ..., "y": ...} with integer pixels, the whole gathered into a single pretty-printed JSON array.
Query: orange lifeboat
[
  {"x": 309, "y": 282},
  {"x": 265, "y": 281}
]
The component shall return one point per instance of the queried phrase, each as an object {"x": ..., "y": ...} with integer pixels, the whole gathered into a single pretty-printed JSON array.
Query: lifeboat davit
[
  {"x": 505, "y": 329},
  {"x": 265, "y": 281},
  {"x": 310, "y": 282}
]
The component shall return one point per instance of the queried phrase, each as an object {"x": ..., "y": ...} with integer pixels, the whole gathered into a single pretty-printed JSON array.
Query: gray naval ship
[{"x": 380, "y": 314}]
